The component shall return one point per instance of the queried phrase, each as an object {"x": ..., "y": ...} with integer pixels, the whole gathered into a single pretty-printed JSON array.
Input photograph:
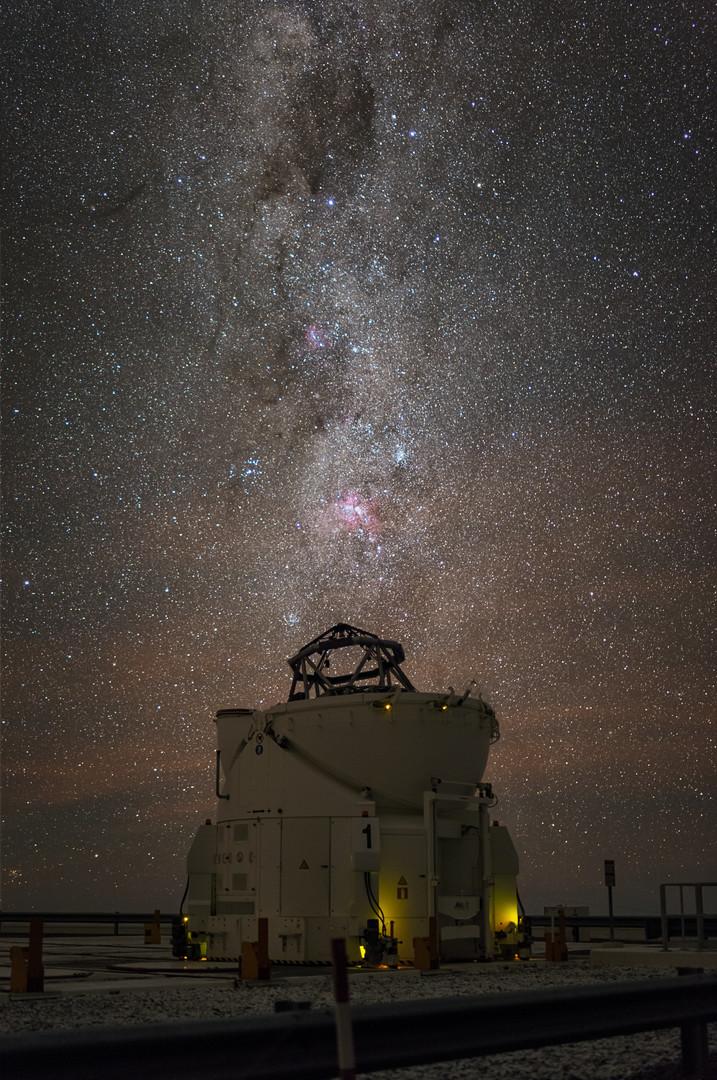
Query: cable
[
  {"x": 184, "y": 897},
  {"x": 373, "y": 902},
  {"x": 369, "y": 894}
]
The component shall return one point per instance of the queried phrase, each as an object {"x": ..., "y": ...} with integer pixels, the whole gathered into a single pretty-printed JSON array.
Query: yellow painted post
[{"x": 345, "y": 1051}]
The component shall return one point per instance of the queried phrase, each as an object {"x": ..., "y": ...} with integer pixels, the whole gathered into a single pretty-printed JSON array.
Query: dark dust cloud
[{"x": 398, "y": 314}]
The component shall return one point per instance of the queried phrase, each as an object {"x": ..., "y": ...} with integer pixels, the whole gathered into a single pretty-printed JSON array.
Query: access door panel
[{"x": 305, "y": 866}]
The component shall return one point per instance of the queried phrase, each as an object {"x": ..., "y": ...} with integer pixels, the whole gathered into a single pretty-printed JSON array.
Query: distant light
[{"x": 362, "y": 951}]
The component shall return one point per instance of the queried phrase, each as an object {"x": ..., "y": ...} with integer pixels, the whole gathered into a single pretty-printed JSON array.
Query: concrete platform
[
  {"x": 179, "y": 967},
  {"x": 78, "y": 966},
  {"x": 653, "y": 956}
]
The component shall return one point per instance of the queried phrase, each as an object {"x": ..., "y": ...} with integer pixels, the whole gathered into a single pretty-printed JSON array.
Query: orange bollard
[
  {"x": 556, "y": 949},
  {"x": 18, "y": 969},
  {"x": 249, "y": 961},
  {"x": 422, "y": 953},
  {"x": 255, "y": 964},
  {"x": 153, "y": 930},
  {"x": 425, "y": 949},
  {"x": 27, "y": 973}
]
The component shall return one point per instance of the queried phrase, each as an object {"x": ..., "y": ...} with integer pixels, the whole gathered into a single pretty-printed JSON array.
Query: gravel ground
[{"x": 650, "y": 1056}]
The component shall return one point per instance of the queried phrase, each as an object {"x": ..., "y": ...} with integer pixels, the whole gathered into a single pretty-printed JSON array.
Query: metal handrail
[
  {"x": 302, "y": 1045},
  {"x": 85, "y": 918},
  {"x": 699, "y": 916}
]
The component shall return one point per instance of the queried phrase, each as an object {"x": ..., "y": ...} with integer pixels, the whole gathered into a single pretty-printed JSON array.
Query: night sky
[{"x": 394, "y": 314}]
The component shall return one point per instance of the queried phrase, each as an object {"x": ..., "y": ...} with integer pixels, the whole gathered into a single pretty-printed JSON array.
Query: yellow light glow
[
  {"x": 387, "y": 706},
  {"x": 185, "y": 920},
  {"x": 444, "y": 708},
  {"x": 505, "y": 912},
  {"x": 362, "y": 951}
]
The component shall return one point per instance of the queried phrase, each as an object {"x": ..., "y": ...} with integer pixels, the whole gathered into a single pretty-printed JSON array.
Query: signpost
[{"x": 609, "y": 874}]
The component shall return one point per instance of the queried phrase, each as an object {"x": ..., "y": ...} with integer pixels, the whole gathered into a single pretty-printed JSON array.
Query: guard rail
[{"x": 302, "y": 1045}]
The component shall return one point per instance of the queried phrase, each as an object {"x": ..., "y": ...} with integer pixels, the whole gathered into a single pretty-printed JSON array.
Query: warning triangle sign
[
  {"x": 402, "y": 880},
  {"x": 303, "y": 865}
]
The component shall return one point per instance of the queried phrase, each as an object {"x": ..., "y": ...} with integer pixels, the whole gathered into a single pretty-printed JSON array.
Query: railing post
[
  {"x": 693, "y": 1039},
  {"x": 263, "y": 948},
  {"x": 562, "y": 936},
  {"x": 35, "y": 969},
  {"x": 663, "y": 918},
  {"x": 695, "y": 1053},
  {"x": 700, "y": 917}
]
